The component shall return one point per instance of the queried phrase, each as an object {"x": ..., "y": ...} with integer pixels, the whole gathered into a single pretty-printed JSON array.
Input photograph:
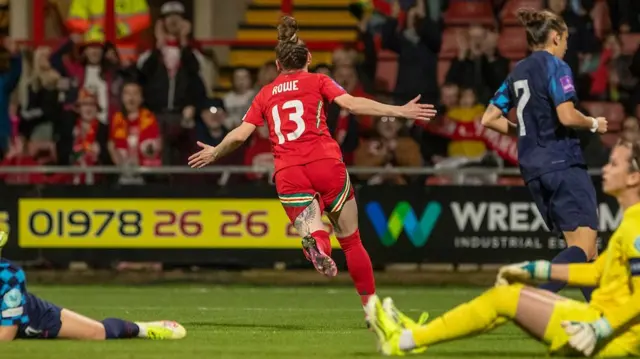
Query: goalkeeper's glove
[
  {"x": 583, "y": 337},
  {"x": 524, "y": 272}
]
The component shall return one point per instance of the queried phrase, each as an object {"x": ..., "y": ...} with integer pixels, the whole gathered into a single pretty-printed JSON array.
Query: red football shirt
[{"x": 294, "y": 107}]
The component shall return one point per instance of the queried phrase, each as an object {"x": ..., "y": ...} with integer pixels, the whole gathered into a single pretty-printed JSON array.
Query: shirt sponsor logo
[
  {"x": 13, "y": 312},
  {"x": 30, "y": 332},
  {"x": 12, "y": 298},
  {"x": 567, "y": 84}
]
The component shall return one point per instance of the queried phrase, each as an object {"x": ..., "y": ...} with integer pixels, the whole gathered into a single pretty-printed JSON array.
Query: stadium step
[
  {"x": 306, "y": 16},
  {"x": 256, "y": 57},
  {"x": 307, "y": 33},
  {"x": 319, "y": 20}
]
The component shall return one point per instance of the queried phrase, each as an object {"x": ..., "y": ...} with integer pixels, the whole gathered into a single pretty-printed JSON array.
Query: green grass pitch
[{"x": 257, "y": 322}]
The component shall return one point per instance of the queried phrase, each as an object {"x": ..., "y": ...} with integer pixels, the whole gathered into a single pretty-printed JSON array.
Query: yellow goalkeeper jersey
[{"x": 618, "y": 270}]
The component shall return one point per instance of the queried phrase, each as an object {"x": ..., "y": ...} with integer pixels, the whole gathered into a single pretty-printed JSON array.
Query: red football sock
[
  {"x": 323, "y": 241},
  {"x": 359, "y": 265}
]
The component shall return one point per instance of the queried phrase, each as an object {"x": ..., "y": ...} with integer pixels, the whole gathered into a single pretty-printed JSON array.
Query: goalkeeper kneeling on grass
[{"x": 605, "y": 327}]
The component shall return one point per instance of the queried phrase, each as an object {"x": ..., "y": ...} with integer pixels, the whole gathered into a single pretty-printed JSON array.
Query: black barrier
[
  {"x": 246, "y": 226},
  {"x": 475, "y": 224}
]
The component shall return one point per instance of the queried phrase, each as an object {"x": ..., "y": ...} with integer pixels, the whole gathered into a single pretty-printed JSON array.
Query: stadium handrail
[{"x": 255, "y": 169}]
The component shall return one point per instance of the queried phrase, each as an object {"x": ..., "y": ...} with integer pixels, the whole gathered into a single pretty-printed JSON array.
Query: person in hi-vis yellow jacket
[{"x": 132, "y": 17}]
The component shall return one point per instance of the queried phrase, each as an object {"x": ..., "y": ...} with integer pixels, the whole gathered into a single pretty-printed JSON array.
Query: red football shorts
[{"x": 325, "y": 179}]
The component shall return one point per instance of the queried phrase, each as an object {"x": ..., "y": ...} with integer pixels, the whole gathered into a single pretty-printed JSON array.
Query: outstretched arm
[
  {"x": 233, "y": 140},
  {"x": 579, "y": 274},
  {"x": 364, "y": 106}
]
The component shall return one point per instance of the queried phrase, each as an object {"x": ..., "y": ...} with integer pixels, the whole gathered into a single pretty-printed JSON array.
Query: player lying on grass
[
  {"x": 23, "y": 315},
  {"x": 605, "y": 327}
]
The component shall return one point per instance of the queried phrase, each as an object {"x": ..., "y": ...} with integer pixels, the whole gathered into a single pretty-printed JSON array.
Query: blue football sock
[
  {"x": 572, "y": 254},
  {"x": 120, "y": 329}
]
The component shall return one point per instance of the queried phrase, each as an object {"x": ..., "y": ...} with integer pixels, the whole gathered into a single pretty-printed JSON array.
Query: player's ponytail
[
  {"x": 291, "y": 52},
  {"x": 539, "y": 24}
]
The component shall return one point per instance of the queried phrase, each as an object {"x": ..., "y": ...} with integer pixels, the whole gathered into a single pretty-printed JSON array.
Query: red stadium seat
[
  {"x": 630, "y": 43},
  {"x": 508, "y": 14},
  {"x": 614, "y": 112},
  {"x": 513, "y": 43},
  {"x": 465, "y": 12},
  {"x": 449, "y": 48},
  {"x": 443, "y": 69}
]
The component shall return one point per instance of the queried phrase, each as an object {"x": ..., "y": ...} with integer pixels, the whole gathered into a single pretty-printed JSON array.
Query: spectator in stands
[
  {"x": 258, "y": 154},
  {"x": 211, "y": 130},
  {"x": 88, "y": 140},
  {"x": 389, "y": 147},
  {"x": 10, "y": 71},
  {"x": 631, "y": 125},
  {"x": 91, "y": 71},
  {"x": 134, "y": 135},
  {"x": 633, "y": 106},
  {"x": 479, "y": 64},
  {"x": 625, "y": 15},
  {"x": 344, "y": 57},
  {"x": 18, "y": 155},
  {"x": 170, "y": 76},
  {"x": 238, "y": 100},
  {"x": 267, "y": 73},
  {"x": 449, "y": 97},
  {"x": 347, "y": 77},
  {"x": 124, "y": 69},
  {"x": 132, "y": 17},
  {"x": 40, "y": 108},
  {"x": 417, "y": 45},
  {"x": 612, "y": 80},
  {"x": 324, "y": 69},
  {"x": 582, "y": 40},
  {"x": 468, "y": 111},
  {"x": 433, "y": 146},
  {"x": 345, "y": 126}
]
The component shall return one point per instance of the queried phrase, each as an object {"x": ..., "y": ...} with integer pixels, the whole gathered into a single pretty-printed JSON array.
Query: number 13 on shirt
[{"x": 295, "y": 116}]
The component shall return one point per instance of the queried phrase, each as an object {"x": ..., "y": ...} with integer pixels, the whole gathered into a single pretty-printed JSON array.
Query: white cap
[{"x": 172, "y": 7}]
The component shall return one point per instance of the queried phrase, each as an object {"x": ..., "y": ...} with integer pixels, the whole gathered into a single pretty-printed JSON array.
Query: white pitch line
[
  {"x": 258, "y": 289},
  {"x": 225, "y": 309}
]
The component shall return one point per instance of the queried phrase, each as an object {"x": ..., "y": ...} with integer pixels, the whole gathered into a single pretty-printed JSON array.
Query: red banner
[{"x": 505, "y": 146}]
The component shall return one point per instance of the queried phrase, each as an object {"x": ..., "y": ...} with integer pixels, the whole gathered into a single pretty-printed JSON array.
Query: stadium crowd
[{"x": 88, "y": 103}]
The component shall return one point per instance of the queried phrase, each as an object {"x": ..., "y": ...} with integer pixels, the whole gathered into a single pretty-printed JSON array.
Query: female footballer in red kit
[{"x": 310, "y": 176}]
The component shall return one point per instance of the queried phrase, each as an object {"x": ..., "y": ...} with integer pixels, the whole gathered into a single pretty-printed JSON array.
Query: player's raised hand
[
  {"x": 602, "y": 124},
  {"x": 413, "y": 110},
  {"x": 205, "y": 156}
]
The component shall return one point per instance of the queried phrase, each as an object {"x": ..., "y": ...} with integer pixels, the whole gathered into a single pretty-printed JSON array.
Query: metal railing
[{"x": 253, "y": 169}]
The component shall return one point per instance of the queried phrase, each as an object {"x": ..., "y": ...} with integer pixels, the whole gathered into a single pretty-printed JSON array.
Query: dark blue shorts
[
  {"x": 566, "y": 199},
  {"x": 44, "y": 319}
]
